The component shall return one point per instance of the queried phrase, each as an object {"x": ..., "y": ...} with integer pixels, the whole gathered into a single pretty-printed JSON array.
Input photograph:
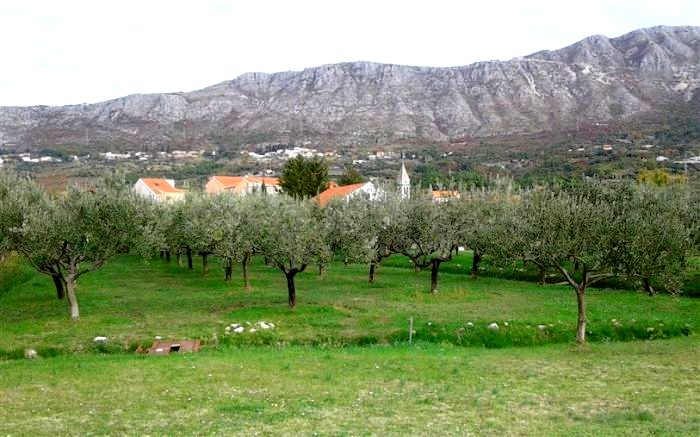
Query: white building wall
[{"x": 142, "y": 189}]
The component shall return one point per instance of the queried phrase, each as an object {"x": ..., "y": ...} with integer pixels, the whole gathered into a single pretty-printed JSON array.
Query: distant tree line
[{"x": 586, "y": 233}]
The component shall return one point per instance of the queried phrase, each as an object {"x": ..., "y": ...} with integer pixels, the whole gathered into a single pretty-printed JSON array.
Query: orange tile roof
[
  {"x": 232, "y": 181},
  {"x": 229, "y": 181},
  {"x": 160, "y": 186},
  {"x": 445, "y": 193},
  {"x": 332, "y": 193},
  {"x": 269, "y": 181}
]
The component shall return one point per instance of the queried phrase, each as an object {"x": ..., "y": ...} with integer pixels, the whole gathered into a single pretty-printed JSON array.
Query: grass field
[{"x": 340, "y": 363}]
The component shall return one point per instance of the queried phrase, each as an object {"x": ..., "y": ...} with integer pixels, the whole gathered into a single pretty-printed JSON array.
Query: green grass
[
  {"x": 634, "y": 388},
  {"x": 131, "y": 302},
  {"x": 340, "y": 362}
]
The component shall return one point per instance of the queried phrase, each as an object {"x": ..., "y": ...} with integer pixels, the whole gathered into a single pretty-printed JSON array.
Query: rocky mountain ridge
[{"x": 598, "y": 79}]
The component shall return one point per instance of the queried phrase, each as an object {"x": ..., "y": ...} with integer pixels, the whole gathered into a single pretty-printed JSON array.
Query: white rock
[
  {"x": 541, "y": 327},
  {"x": 272, "y": 325},
  {"x": 264, "y": 325},
  {"x": 100, "y": 340},
  {"x": 227, "y": 329},
  {"x": 158, "y": 337},
  {"x": 252, "y": 330},
  {"x": 493, "y": 327},
  {"x": 234, "y": 325},
  {"x": 239, "y": 330},
  {"x": 30, "y": 354},
  {"x": 470, "y": 324},
  {"x": 505, "y": 323}
]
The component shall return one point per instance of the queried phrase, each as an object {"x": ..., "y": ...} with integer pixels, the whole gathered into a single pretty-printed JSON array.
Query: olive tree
[
  {"x": 552, "y": 227},
  {"x": 77, "y": 233},
  {"x": 289, "y": 238},
  {"x": 18, "y": 196},
  {"x": 366, "y": 230},
  {"x": 481, "y": 208},
  {"x": 655, "y": 233},
  {"x": 196, "y": 222},
  {"x": 233, "y": 227},
  {"x": 430, "y": 233}
]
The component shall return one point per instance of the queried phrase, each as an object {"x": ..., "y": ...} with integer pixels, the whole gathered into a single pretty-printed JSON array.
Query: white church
[{"x": 403, "y": 183}]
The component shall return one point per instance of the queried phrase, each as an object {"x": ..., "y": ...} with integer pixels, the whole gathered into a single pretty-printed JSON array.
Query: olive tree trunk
[
  {"x": 189, "y": 258},
  {"x": 434, "y": 269},
  {"x": 228, "y": 269},
  {"x": 476, "y": 260},
  {"x": 372, "y": 268},
  {"x": 647, "y": 286},
  {"x": 581, "y": 301},
  {"x": 542, "y": 273},
  {"x": 72, "y": 300},
  {"x": 291, "y": 289},
  {"x": 58, "y": 283},
  {"x": 245, "y": 264},
  {"x": 205, "y": 263}
]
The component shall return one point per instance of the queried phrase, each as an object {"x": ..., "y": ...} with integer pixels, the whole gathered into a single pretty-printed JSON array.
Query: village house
[
  {"x": 243, "y": 185},
  {"x": 441, "y": 196},
  {"x": 346, "y": 192},
  {"x": 159, "y": 190}
]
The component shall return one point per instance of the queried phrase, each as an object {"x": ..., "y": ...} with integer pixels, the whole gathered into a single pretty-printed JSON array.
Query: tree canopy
[{"x": 304, "y": 177}]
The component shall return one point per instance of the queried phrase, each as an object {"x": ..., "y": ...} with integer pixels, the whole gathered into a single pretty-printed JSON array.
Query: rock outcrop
[{"x": 596, "y": 80}]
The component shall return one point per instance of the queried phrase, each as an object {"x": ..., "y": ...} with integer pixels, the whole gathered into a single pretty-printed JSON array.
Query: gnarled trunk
[
  {"x": 542, "y": 272},
  {"x": 179, "y": 259},
  {"x": 647, "y": 286},
  {"x": 435, "y": 268},
  {"x": 581, "y": 301},
  {"x": 228, "y": 269},
  {"x": 372, "y": 267},
  {"x": 189, "y": 258},
  {"x": 322, "y": 270},
  {"x": 58, "y": 283},
  {"x": 291, "y": 290},
  {"x": 245, "y": 266},
  {"x": 167, "y": 256},
  {"x": 205, "y": 263},
  {"x": 476, "y": 260},
  {"x": 72, "y": 300}
]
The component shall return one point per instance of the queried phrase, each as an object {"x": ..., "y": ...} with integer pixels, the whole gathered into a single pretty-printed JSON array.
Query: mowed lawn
[
  {"x": 631, "y": 388},
  {"x": 131, "y": 302},
  {"x": 340, "y": 363}
]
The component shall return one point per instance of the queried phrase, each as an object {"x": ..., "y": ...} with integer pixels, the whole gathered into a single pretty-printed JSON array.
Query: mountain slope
[{"x": 598, "y": 79}]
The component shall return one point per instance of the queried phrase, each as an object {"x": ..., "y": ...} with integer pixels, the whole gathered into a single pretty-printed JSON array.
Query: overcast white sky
[{"x": 64, "y": 52}]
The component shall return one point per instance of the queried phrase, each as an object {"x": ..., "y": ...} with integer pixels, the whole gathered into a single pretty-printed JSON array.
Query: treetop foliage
[{"x": 304, "y": 177}]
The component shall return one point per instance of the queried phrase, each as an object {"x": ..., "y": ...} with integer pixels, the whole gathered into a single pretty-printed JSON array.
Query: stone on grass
[
  {"x": 493, "y": 327},
  {"x": 470, "y": 324},
  {"x": 541, "y": 327},
  {"x": 239, "y": 330},
  {"x": 264, "y": 325},
  {"x": 100, "y": 340},
  {"x": 30, "y": 354}
]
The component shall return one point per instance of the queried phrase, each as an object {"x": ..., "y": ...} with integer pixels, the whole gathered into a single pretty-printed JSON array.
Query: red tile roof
[
  {"x": 229, "y": 181},
  {"x": 445, "y": 193},
  {"x": 160, "y": 186},
  {"x": 332, "y": 193}
]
